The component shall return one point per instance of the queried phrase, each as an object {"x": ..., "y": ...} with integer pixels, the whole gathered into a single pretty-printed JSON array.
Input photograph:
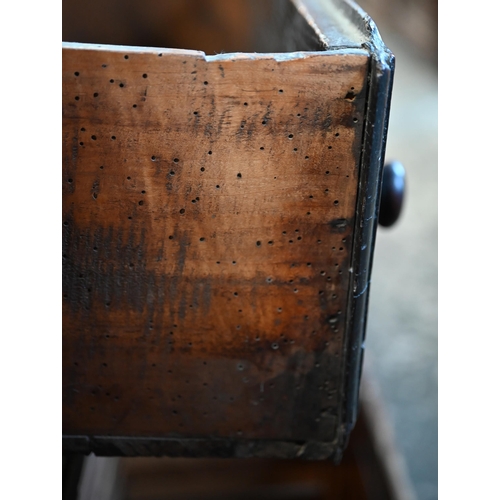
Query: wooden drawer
[{"x": 219, "y": 222}]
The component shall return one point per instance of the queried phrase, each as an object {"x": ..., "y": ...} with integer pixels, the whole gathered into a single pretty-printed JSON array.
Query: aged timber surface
[{"x": 208, "y": 209}]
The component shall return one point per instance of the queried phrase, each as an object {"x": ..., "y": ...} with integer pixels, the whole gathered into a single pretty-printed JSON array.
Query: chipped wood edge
[
  {"x": 198, "y": 54},
  {"x": 192, "y": 447}
]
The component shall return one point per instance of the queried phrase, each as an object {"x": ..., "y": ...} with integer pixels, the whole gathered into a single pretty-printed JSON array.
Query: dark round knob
[{"x": 393, "y": 189}]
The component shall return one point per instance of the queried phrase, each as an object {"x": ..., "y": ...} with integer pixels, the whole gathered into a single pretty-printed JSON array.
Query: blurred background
[
  {"x": 400, "y": 386},
  {"x": 401, "y": 345}
]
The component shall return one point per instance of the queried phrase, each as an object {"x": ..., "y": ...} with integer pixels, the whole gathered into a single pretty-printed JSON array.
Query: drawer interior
[{"x": 212, "y": 26}]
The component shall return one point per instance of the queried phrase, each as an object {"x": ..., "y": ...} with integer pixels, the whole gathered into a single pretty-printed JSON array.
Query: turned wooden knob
[{"x": 393, "y": 189}]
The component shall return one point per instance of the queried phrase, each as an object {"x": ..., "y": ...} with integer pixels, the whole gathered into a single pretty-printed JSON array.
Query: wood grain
[{"x": 208, "y": 211}]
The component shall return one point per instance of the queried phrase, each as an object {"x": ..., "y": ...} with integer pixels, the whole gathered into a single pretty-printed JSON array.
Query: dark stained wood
[
  {"x": 209, "y": 210},
  {"x": 206, "y": 241},
  {"x": 370, "y": 470}
]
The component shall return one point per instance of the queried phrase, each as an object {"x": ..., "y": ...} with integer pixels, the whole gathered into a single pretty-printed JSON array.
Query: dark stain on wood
[{"x": 205, "y": 285}]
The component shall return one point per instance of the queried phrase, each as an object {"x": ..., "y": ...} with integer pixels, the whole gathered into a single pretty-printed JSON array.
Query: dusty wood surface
[{"x": 208, "y": 209}]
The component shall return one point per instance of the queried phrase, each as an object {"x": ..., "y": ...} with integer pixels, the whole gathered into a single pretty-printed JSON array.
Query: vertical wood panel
[{"x": 208, "y": 213}]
